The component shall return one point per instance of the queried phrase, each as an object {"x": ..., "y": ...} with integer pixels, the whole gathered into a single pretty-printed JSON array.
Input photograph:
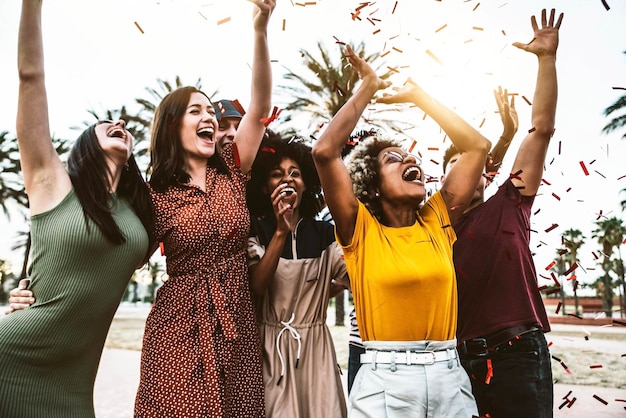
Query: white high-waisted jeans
[{"x": 398, "y": 390}]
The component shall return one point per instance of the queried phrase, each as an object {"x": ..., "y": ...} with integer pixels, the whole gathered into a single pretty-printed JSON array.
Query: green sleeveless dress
[{"x": 49, "y": 353}]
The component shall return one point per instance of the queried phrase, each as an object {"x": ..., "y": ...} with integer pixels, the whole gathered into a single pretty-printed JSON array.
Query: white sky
[{"x": 96, "y": 57}]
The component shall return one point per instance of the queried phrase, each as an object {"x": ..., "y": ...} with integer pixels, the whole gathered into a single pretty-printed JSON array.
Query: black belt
[{"x": 481, "y": 346}]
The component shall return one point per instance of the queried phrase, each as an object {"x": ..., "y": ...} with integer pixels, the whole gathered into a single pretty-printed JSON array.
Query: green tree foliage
[
  {"x": 324, "y": 85},
  {"x": 610, "y": 234}
]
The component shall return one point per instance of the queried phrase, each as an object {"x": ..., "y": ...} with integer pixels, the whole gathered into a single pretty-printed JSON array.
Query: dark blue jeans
[
  {"x": 521, "y": 383},
  {"x": 354, "y": 363}
]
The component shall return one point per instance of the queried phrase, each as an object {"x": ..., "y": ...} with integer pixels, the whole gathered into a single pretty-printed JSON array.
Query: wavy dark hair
[
  {"x": 273, "y": 149},
  {"x": 167, "y": 157},
  {"x": 362, "y": 163},
  {"x": 90, "y": 175}
]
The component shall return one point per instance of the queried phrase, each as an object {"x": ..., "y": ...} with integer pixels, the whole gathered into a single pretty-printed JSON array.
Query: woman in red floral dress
[{"x": 201, "y": 351}]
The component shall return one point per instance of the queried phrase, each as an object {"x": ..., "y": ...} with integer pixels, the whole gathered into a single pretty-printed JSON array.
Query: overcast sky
[{"x": 103, "y": 54}]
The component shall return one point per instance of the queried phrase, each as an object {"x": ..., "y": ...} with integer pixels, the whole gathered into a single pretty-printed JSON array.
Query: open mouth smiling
[
  {"x": 205, "y": 133},
  {"x": 412, "y": 174}
]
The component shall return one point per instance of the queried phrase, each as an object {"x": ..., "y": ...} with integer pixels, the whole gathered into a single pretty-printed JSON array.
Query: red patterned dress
[{"x": 201, "y": 352}]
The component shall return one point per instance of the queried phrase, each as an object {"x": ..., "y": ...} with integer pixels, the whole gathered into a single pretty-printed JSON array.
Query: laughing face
[
  {"x": 401, "y": 176},
  {"x": 115, "y": 140},
  {"x": 198, "y": 127},
  {"x": 287, "y": 178}
]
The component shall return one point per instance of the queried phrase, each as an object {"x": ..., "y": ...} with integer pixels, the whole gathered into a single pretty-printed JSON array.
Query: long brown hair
[{"x": 167, "y": 157}]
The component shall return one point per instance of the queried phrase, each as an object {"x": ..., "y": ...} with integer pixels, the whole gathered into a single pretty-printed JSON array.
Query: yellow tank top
[{"x": 403, "y": 280}]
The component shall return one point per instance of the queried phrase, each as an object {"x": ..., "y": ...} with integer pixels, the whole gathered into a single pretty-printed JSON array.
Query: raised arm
[
  {"x": 510, "y": 123},
  {"x": 334, "y": 176},
  {"x": 251, "y": 128},
  {"x": 461, "y": 182},
  {"x": 533, "y": 149},
  {"x": 45, "y": 178}
]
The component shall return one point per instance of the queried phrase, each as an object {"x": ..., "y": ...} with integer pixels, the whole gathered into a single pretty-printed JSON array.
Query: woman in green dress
[{"x": 89, "y": 223}]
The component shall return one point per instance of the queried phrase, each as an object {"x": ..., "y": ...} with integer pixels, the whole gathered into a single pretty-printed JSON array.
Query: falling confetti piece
[
  {"x": 600, "y": 399},
  {"x": 225, "y": 20},
  {"x": 596, "y": 366},
  {"x": 605, "y": 4},
  {"x": 582, "y": 165},
  {"x": 139, "y": 27},
  {"x": 527, "y": 101},
  {"x": 433, "y": 56}
]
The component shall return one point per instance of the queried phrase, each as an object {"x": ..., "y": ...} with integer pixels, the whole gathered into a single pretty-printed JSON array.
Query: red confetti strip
[
  {"x": 268, "y": 149},
  {"x": 596, "y": 366},
  {"x": 558, "y": 308},
  {"x": 582, "y": 165},
  {"x": 571, "y": 402},
  {"x": 556, "y": 196},
  {"x": 162, "y": 248},
  {"x": 600, "y": 399},
  {"x": 552, "y": 227},
  {"x": 571, "y": 269},
  {"x": 489, "y": 372},
  {"x": 552, "y": 264},
  {"x": 376, "y": 32},
  {"x": 273, "y": 117},
  {"x": 139, "y": 27},
  {"x": 225, "y": 20},
  {"x": 413, "y": 144}
]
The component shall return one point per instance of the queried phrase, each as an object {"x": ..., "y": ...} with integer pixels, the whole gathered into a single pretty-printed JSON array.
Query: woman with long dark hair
[{"x": 89, "y": 229}]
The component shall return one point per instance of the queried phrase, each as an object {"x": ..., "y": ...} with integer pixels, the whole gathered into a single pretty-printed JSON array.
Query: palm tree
[
  {"x": 560, "y": 267},
  {"x": 619, "y": 121},
  {"x": 573, "y": 239},
  {"x": 610, "y": 233},
  {"x": 138, "y": 123},
  {"x": 320, "y": 92},
  {"x": 11, "y": 183}
]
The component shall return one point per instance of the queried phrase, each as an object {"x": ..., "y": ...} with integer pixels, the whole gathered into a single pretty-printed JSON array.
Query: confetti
[
  {"x": 476, "y": 7},
  {"x": 527, "y": 101},
  {"x": 138, "y": 27},
  {"x": 558, "y": 308},
  {"x": 441, "y": 28},
  {"x": 477, "y": 28},
  {"x": 394, "y": 8},
  {"x": 549, "y": 266},
  {"x": 556, "y": 196},
  {"x": 582, "y": 165},
  {"x": 225, "y": 20},
  {"x": 551, "y": 227},
  {"x": 162, "y": 248},
  {"x": 433, "y": 56},
  {"x": 596, "y": 366},
  {"x": 600, "y": 399},
  {"x": 606, "y": 6}
]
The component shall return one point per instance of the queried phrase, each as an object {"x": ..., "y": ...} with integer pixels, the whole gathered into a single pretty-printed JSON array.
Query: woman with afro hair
[{"x": 295, "y": 267}]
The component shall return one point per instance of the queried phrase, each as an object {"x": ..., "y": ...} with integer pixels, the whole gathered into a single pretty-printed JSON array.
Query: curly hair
[
  {"x": 273, "y": 149},
  {"x": 363, "y": 166}
]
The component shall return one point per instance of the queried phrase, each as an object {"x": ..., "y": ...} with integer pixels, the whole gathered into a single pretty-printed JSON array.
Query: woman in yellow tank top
[{"x": 398, "y": 252}]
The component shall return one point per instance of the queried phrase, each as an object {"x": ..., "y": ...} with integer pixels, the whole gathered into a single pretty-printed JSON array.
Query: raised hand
[
  {"x": 364, "y": 70},
  {"x": 262, "y": 12},
  {"x": 508, "y": 114},
  {"x": 546, "y": 38}
]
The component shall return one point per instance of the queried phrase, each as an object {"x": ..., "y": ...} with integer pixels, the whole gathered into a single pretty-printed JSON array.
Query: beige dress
[{"x": 300, "y": 371}]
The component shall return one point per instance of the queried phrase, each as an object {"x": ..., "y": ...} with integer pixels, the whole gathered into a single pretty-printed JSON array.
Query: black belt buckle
[{"x": 475, "y": 347}]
